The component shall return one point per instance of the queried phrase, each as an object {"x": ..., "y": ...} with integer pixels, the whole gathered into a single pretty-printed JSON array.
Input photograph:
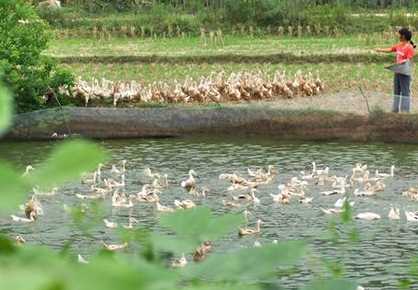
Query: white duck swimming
[
  {"x": 179, "y": 263},
  {"x": 411, "y": 216},
  {"x": 305, "y": 176},
  {"x": 131, "y": 222},
  {"x": 18, "y": 219},
  {"x": 367, "y": 192},
  {"x": 37, "y": 191},
  {"x": 120, "y": 200},
  {"x": 379, "y": 186},
  {"x": 369, "y": 216},
  {"x": 386, "y": 175},
  {"x": 411, "y": 193},
  {"x": 360, "y": 179},
  {"x": 394, "y": 214},
  {"x": 109, "y": 224},
  {"x": 117, "y": 171},
  {"x": 89, "y": 196},
  {"x": 28, "y": 170},
  {"x": 231, "y": 204},
  {"x": 81, "y": 259},
  {"x": 162, "y": 208},
  {"x": 190, "y": 183},
  {"x": 115, "y": 247},
  {"x": 317, "y": 171},
  {"x": 184, "y": 204},
  {"x": 306, "y": 200},
  {"x": 248, "y": 231},
  {"x": 150, "y": 174},
  {"x": 341, "y": 201},
  {"x": 20, "y": 240},
  {"x": 330, "y": 211}
]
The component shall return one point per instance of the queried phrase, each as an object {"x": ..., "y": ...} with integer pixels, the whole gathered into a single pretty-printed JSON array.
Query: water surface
[{"x": 378, "y": 261}]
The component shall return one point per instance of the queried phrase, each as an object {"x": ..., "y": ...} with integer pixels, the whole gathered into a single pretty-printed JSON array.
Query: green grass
[{"x": 233, "y": 45}]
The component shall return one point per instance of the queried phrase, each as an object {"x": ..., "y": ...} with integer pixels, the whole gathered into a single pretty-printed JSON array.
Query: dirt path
[{"x": 349, "y": 102}]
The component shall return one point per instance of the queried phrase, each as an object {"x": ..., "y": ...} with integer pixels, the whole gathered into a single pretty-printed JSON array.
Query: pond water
[{"x": 377, "y": 261}]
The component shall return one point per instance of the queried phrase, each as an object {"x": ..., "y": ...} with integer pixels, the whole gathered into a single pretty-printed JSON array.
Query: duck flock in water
[{"x": 242, "y": 191}]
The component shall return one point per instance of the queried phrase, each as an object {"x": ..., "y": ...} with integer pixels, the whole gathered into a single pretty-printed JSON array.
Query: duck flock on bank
[
  {"x": 240, "y": 193},
  {"x": 217, "y": 88}
]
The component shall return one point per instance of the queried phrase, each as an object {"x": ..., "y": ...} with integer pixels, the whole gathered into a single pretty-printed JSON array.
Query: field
[{"x": 343, "y": 64}]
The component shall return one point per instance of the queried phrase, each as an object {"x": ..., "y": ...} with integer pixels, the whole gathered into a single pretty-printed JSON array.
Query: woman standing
[{"x": 402, "y": 83}]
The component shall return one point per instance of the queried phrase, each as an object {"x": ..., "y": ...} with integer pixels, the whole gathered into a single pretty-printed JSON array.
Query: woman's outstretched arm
[{"x": 384, "y": 49}]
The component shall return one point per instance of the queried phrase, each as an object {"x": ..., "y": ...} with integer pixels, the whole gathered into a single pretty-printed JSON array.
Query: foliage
[
  {"x": 23, "y": 38},
  {"x": 162, "y": 17}
]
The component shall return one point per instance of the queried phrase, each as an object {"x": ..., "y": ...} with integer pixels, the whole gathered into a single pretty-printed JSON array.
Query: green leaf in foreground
[
  {"x": 13, "y": 189},
  {"x": 249, "y": 264},
  {"x": 200, "y": 224},
  {"x": 5, "y": 109},
  {"x": 332, "y": 284},
  {"x": 67, "y": 162},
  {"x": 174, "y": 244}
]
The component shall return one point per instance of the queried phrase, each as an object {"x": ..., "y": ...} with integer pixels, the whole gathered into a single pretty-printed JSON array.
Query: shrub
[{"x": 23, "y": 38}]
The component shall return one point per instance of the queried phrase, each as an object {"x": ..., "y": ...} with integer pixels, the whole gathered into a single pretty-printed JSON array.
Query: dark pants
[{"x": 402, "y": 93}]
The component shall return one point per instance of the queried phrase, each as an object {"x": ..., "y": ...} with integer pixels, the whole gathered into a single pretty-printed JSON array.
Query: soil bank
[{"x": 309, "y": 125}]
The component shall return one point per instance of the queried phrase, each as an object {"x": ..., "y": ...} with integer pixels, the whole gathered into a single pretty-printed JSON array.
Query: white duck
[
  {"x": 81, "y": 259},
  {"x": 28, "y": 170},
  {"x": 131, "y": 222},
  {"x": 364, "y": 193},
  {"x": 369, "y": 216},
  {"x": 341, "y": 201},
  {"x": 305, "y": 176},
  {"x": 115, "y": 247},
  {"x": 117, "y": 171},
  {"x": 248, "y": 231},
  {"x": 385, "y": 175},
  {"x": 317, "y": 171},
  {"x": 330, "y": 211},
  {"x": 254, "y": 199},
  {"x": 162, "y": 208},
  {"x": 190, "y": 183},
  {"x": 150, "y": 174},
  {"x": 231, "y": 204},
  {"x": 121, "y": 201},
  {"x": 411, "y": 216},
  {"x": 18, "y": 219},
  {"x": 109, "y": 224},
  {"x": 394, "y": 214},
  {"x": 185, "y": 204},
  {"x": 179, "y": 263},
  {"x": 306, "y": 200},
  {"x": 37, "y": 191},
  {"x": 89, "y": 196}
]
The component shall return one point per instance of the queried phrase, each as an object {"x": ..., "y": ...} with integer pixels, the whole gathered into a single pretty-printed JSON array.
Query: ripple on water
[{"x": 377, "y": 261}]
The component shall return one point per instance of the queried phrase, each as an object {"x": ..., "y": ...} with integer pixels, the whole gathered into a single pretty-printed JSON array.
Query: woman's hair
[{"x": 407, "y": 34}]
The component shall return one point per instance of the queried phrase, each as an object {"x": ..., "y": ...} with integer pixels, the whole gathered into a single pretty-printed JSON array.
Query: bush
[{"x": 23, "y": 38}]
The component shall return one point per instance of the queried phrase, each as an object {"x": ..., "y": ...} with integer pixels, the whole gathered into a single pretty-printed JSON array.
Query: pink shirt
[{"x": 403, "y": 52}]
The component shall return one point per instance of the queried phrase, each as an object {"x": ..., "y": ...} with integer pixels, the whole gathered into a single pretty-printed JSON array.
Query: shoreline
[{"x": 297, "y": 125}]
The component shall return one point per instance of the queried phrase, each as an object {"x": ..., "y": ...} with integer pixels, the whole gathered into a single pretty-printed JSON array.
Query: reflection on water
[{"x": 378, "y": 261}]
